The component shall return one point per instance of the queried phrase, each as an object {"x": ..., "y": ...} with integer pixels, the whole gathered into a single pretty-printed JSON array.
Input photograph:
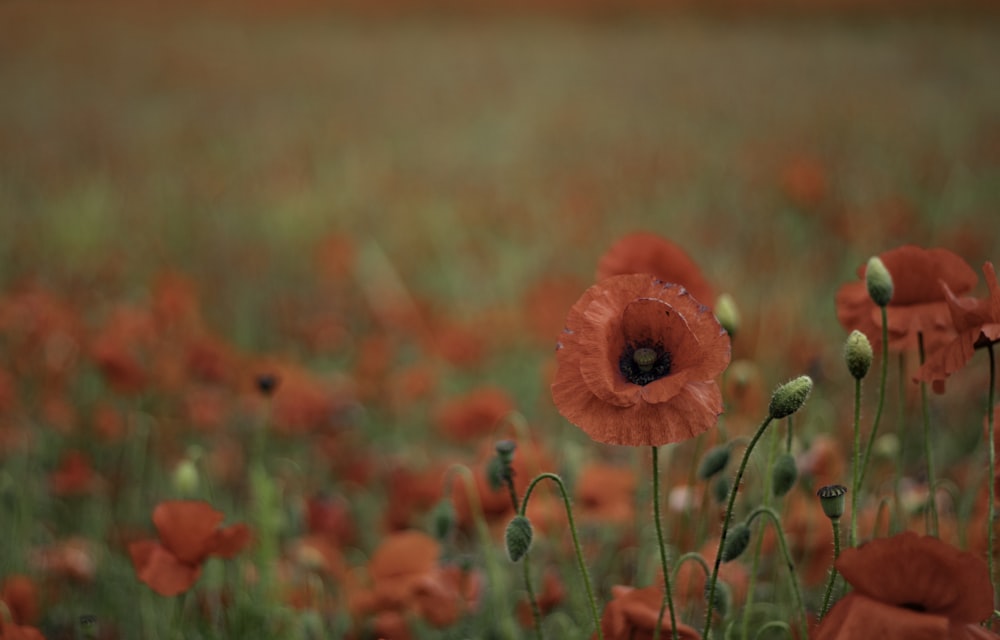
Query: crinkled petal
[
  {"x": 187, "y": 528},
  {"x": 856, "y": 617},
  {"x": 161, "y": 570}
]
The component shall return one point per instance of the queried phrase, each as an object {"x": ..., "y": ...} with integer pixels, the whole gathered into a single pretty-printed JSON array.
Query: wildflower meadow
[{"x": 554, "y": 321}]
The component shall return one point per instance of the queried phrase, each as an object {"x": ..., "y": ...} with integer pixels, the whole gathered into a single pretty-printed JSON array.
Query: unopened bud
[
  {"x": 879, "y": 281},
  {"x": 186, "y": 478},
  {"x": 784, "y": 474},
  {"x": 858, "y": 354},
  {"x": 714, "y": 461},
  {"x": 518, "y": 538},
  {"x": 789, "y": 397},
  {"x": 736, "y": 542},
  {"x": 721, "y": 598},
  {"x": 727, "y": 313},
  {"x": 443, "y": 519},
  {"x": 720, "y": 489}
]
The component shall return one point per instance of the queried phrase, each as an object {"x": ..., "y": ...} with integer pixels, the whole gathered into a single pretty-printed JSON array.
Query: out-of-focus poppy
[
  {"x": 474, "y": 415},
  {"x": 189, "y": 533},
  {"x": 649, "y": 253},
  {"x": 918, "y": 303},
  {"x": 632, "y": 615},
  {"x": 637, "y": 363},
  {"x": 910, "y": 586},
  {"x": 605, "y": 495},
  {"x": 20, "y": 595},
  {"x": 977, "y": 323},
  {"x": 75, "y": 476}
]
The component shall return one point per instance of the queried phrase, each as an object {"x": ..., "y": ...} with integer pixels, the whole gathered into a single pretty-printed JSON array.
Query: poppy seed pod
[
  {"x": 858, "y": 354},
  {"x": 832, "y": 499},
  {"x": 727, "y": 313},
  {"x": 737, "y": 542},
  {"x": 714, "y": 461},
  {"x": 789, "y": 397},
  {"x": 518, "y": 538},
  {"x": 879, "y": 281},
  {"x": 783, "y": 474}
]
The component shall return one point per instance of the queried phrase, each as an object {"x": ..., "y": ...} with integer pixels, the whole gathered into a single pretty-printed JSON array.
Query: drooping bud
[
  {"x": 831, "y": 497},
  {"x": 722, "y": 597},
  {"x": 443, "y": 519},
  {"x": 879, "y": 281},
  {"x": 783, "y": 474},
  {"x": 720, "y": 489},
  {"x": 727, "y": 313},
  {"x": 518, "y": 537},
  {"x": 714, "y": 461},
  {"x": 789, "y": 397},
  {"x": 858, "y": 354},
  {"x": 737, "y": 541}
]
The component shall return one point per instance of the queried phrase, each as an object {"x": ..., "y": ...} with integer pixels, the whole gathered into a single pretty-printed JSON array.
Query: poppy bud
[
  {"x": 879, "y": 281},
  {"x": 727, "y": 313},
  {"x": 186, "y": 478},
  {"x": 713, "y": 462},
  {"x": 832, "y": 499},
  {"x": 783, "y": 474},
  {"x": 789, "y": 397},
  {"x": 518, "y": 538},
  {"x": 737, "y": 542},
  {"x": 858, "y": 354},
  {"x": 720, "y": 489},
  {"x": 722, "y": 598},
  {"x": 443, "y": 519}
]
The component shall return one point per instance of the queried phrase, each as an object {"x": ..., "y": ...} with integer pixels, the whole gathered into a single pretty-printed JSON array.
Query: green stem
[
  {"x": 932, "y": 524},
  {"x": 536, "y": 613},
  {"x": 775, "y": 624},
  {"x": 881, "y": 398},
  {"x": 710, "y": 591},
  {"x": 576, "y": 540},
  {"x": 991, "y": 480},
  {"x": 833, "y": 569},
  {"x": 857, "y": 463},
  {"x": 668, "y": 600},
  {"x": 776, "y": 521},
  {"x": 693, "y": 556},
  {"x": 755, "y": 563}
]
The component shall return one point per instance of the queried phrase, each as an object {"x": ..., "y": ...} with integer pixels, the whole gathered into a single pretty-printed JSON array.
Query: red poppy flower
[
  {"x": 977, "y": 322},
  {"x": 20, "y": 595},
  {"x": 632, "y": 615},
  {"x": 910, "y": 586},
  {"x": 648, "y": 253},
  {"x": 189, "y": 533},
  {"x": 637, "y": 363},
  {"x": 474, "y": 415},
  {"x": 918, "y": 304}
]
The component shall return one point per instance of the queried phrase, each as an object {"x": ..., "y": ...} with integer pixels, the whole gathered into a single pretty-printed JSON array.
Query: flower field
[{"x": 344, "y": 322}]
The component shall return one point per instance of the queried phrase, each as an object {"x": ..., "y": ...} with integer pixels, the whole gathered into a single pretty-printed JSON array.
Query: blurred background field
[{"x": 324, "y": 176}]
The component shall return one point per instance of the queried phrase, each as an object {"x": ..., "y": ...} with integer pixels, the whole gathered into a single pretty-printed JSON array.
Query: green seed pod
[
  {"x": 784, "y": 474},
  {"x": 505, "y": 451},
  {"x": 858, "y": 354},
  {"x": 496, "y": 473},
  {"x": 518, "y": 538},
  {"x": 727, "y": 313},
  {"x": 720, "y": 489},
  {"x": 832, "y": 499},
  {"x": 879, "y": 281},
  {"x": 737, "y": 541},
  {"x": 714, "y": 461},
  {"x": 789, "y": 397}
]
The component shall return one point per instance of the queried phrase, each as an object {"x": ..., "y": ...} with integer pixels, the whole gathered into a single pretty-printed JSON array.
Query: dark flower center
[
  {"x": 914, "y": 606},
  {"x": 643, "y": 363}
]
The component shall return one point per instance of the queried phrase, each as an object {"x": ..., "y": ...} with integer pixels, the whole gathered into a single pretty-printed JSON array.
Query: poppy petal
[
  {"x": 162, "y": 571},
  {"x": 187, "y": 528}
]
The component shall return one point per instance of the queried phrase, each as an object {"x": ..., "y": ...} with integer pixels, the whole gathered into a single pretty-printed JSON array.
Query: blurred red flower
[
  {"x": 474, "y": 415},
  {"x": 20, "y": 595},
  {"x": 632, "y": 615},
  {"x": 642, "y": 252},
  {"x": 910, "y": 586},
  {"x": 918, "y": 303},
  {"x": 188, "y": 534},
  {"x": 977, "y": 322},
  {"x": 637, "y": 363}
]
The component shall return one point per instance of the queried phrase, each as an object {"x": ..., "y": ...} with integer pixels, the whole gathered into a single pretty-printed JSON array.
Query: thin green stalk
[
  {"x": 991, "y": 480},
  {"x": 693, "y": 556},
  {"x": 857, "y": 463},
  {"x": 755, "y": 562},
  {"x": 881, "y": 398},
  {"x": 536, "y": 614},
  {"x": 835, "y": 522},
  {"x": 776, "y": 521},
  {"x": 668, "y": 600},
  {"x": 932, "y": 524},
  {"x": 576, "y": 540},
  {"x": 710, "y": 592},
  {"x": 898, "y": 523}
]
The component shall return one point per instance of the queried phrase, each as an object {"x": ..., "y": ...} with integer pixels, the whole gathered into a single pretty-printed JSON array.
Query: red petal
[
  {"x": 187, "y": 528},
  {"x": 161, "y": 570}
]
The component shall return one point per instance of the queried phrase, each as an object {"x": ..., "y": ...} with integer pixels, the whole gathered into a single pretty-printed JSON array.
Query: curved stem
[
  {"x": 710, "y": 591},
  {"x": 668, "y": 600},
  {"x": 932, "y": 514},
  {"x": 833, "y": 569},
  {"x": 881, "y": 398},
  {"x": 692, "y": 556},
  {"x": 776, "y": 521},
  {"x": 576, "y": 540},
  {"x": 775, "y": 624},
  {"x": 857, "y": 463}
]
